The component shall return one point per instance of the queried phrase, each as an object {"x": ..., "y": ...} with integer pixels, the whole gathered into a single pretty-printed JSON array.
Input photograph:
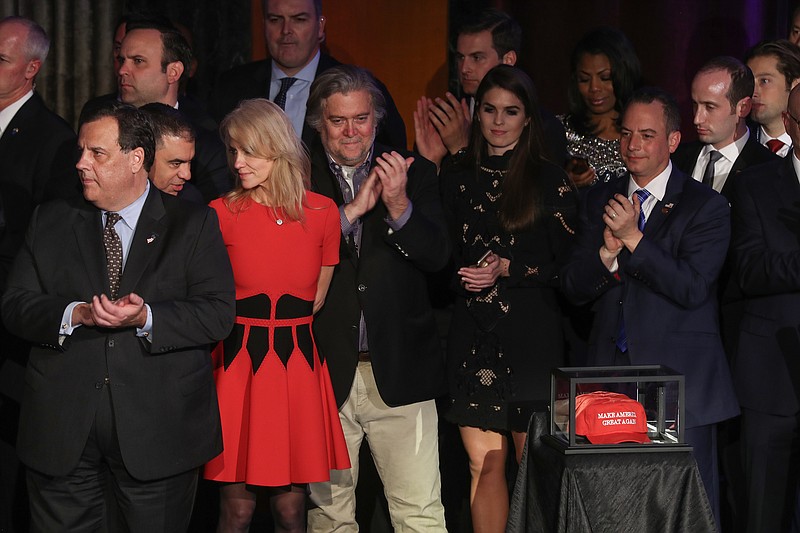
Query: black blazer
[
  {"x": 252, "y": 81},
  {"x": 753, "y": 153},
  {"x": 387, "y": 281},
  {"x": 766, "y": 252},
  {"x": 37, "y": 163},
  {"x": 668, "y": 292},
  {"x": 164, "y": 396}
]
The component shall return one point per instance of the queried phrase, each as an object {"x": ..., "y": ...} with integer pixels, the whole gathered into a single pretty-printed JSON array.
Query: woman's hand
[
  {"x": 579, "y": 171},
  {"x": 477, "y": 278}
]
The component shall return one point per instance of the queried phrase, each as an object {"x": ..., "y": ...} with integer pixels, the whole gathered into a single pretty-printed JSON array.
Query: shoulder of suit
[{"x": 43, "y": 118}]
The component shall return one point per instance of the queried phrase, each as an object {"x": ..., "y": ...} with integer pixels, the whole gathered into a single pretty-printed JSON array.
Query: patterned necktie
[
  {"x": 643, "y": 195},
  {"x": 622, "y": 337},
  {"x": 775, "y": 145},
  {"x": 708, "y": 173},
  {"x": 280, "y": 98},
  {"x": 113, "y": 246}
]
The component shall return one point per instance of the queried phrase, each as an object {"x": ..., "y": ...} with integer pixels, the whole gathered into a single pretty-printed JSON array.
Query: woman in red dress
[{"x": 280, "y": 425}]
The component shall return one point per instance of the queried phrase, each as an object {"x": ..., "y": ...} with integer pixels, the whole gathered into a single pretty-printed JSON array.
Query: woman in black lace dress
[{"x": 503, "y": 197}]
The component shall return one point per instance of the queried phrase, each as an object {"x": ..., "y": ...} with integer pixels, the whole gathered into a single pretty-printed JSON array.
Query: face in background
[
  {"x": 645, "y": 144},
  {"x": 172, "y": 165},
  {"x": 293, "y": 31},
  {"x": 771, "y": 95},
  {"x": 713, "y": 118},
  {"x": 794, "y": 31},
  {"x": 475, "y": 56},
  {"x": 790, "y": 119},
  {"x": 141, "y": 78},
  {"x": 502, "y": 119},
  {"x": 116, "y": 46},
  {"x": 111, "y": 178},
  {"x": 17, "y": 71},
  {"x": 595, "y": 84},
  {"x": 348, "y": 127},
  {"x": 252, "y": 171}
]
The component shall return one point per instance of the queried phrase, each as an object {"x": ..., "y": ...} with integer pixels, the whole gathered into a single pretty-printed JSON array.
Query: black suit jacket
[
  {"x": 253, "y": 79},
  {"x": 163, "y": 391},
  {"x": 667, "y": 292},
  {"x": 766, "y": 251},
  {"x": 210, "y": 172},
  {"x": 387, "y": 282},
  {"x": 37, "y": 163},
  {"x": 753, "y": 153}
]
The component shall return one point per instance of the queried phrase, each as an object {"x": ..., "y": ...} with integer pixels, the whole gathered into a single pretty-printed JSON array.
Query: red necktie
[{"x": 775, "y": 145}]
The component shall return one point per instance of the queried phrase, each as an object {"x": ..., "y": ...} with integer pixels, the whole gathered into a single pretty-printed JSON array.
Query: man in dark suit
[
  {"x": 175, "y": 141},
  {"x": 766, "y": 369},
  {"x": 722, "y": 93},
  {"x": 119, "y": 389},
  {"x": 377, "y": 330},
  {"x": 650, "y": 266},
  {"x": 776, "y": 67},
  {"x": 487, "y": 39},
  {"x": 36, "y": 164},
  {"x": 153, "y": 59},
  {"x": 294, "y": 30}
]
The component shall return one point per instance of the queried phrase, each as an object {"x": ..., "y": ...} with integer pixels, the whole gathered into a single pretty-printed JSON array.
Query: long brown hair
[{"x": 519, "y": 204}]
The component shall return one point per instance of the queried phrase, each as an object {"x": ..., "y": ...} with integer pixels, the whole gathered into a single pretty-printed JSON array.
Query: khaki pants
[{"x": 404, "y": 443}]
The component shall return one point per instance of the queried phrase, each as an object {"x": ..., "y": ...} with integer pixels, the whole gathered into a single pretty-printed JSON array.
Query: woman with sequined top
[
  {"x": 511, "y": 214},
  {"x": 605, "y": 71}
]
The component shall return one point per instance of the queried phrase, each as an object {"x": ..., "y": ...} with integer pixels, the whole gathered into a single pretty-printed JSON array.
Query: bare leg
[
  {"x": 488, "y": 496},
  {"x": 288, "y": 506},
  {"x": 236, "y": 507}
]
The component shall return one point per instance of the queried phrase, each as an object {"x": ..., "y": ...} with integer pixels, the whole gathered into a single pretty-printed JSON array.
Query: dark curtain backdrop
[
  {"x": 79, "y": 64},
  {"x": 672, "y": 38}
]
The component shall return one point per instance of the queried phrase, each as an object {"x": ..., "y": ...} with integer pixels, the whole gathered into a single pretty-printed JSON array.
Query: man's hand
[
  {"x": 82, "y": 314},
  {"x": 392, "y": 171},
  {"x": 429, "y": 142},
  {"x": 365, "y": 199},
  {"x": 452, "y": 120},
  {"x": 610, "y": 249},
  {"x": 622, "y": 218},
  {"x": 128, "y": 311}
]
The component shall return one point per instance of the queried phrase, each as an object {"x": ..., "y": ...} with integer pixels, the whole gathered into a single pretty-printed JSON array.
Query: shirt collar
[
  {"x": 337, "y": 167},
  {"x": 732, "y": 150},
  {"x": 657, "y": 186},
  {"x": 307, "y": 73},
  {"x": 7, "y": 114},
  {"x": 130, "y": 214}
]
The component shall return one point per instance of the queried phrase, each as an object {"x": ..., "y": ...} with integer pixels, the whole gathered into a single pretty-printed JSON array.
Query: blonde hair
[{"x": 261, "y": 129}]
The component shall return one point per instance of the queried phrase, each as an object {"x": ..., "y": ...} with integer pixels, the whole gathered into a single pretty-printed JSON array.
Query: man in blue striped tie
[{"x": 650, "y": 249}]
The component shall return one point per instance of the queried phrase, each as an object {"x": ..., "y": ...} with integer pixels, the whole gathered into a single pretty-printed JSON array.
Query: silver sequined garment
[{"x": 601, "y": 154}]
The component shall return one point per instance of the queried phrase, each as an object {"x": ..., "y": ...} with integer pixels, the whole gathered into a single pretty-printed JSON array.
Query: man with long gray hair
[{"x": 377, "y": 329}]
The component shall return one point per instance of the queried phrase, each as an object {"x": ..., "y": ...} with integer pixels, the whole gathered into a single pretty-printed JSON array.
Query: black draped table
[{"x": 613, "y": 493}]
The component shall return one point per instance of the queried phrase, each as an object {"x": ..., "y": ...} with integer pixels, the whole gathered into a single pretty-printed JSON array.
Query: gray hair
[
  {"x": 343, "y": 79},
  {"x": 37, "y": 43}
]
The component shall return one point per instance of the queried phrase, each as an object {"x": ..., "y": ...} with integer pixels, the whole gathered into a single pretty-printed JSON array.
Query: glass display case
[{"x": 617, "y": 409}]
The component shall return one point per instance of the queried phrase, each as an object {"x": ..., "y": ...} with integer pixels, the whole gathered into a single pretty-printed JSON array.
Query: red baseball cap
[{"x": 610, "y": 418}]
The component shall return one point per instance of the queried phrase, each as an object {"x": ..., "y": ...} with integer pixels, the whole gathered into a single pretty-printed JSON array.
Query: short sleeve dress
[
  {"x": 603, "y": 155},
  {"x": 280, "y": 424}
]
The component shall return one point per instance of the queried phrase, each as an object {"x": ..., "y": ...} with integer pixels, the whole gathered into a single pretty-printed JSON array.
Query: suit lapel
[
  {"x": 89, "y": 241},
  {"x": 786, "y": 185},
  {"x": 663, "y": 208},
  {"x": 149, "y": 237},
  {"x": 325, "y": 183}
]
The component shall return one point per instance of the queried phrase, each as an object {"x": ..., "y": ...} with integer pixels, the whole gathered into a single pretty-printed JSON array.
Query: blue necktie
[
  {"x": 643, "y": 195},
  {"x": 622, "y": 337}
]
